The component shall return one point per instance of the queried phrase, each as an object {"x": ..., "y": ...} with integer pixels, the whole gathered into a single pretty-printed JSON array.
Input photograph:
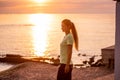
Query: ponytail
[{"x": 73, "y": 30}]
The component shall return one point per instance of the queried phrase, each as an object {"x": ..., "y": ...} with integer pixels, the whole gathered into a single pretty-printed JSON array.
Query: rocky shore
[{"x": 44, "y": 71}]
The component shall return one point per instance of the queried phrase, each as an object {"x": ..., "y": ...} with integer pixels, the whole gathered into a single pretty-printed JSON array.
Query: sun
[{"x": 40, "y": 1}]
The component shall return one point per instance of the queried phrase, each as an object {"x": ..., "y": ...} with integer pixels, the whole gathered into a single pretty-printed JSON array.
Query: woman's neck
[{"x": 67, "y": 32}]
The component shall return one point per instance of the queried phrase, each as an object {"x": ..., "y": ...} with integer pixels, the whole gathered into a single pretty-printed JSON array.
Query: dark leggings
[{"x": 62, "y": 75}]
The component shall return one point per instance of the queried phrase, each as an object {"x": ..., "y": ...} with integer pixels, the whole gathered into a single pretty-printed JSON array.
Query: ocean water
[{"x": 41, "y": 34}]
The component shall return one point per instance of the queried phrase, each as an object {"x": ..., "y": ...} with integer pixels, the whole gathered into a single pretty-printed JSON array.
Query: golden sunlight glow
[
  {"x": 40, "y": 1},
  {"x": 39, "y": 31}
]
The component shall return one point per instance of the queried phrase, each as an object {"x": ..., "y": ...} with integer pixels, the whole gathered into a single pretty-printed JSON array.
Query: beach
[{"x": 45, "y": 71}]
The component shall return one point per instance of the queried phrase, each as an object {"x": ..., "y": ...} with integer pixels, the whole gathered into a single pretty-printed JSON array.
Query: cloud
[
  {"x": 12, "y": 6},
  {"x": 9, "y": 3},
  {"x": 57, "y": 6}
]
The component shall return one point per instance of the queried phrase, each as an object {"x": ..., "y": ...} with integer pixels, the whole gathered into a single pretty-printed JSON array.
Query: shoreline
[
  {"x": 16, "y": 59},
  {"x": 44, "y": 71}
]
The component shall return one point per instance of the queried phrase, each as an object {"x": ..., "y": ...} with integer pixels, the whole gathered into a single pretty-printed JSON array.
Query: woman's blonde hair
[{"x": 73, "y": 30}]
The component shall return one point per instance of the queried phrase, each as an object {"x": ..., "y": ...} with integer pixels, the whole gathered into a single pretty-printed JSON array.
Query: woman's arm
[{"x": 69, "y": 54}]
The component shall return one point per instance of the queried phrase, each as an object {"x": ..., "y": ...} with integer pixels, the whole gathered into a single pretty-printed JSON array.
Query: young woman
[{"x": 65, "y": 69}]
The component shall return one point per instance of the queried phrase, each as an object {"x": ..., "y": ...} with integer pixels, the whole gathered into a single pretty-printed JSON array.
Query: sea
[{"x": 40, "y": 35}]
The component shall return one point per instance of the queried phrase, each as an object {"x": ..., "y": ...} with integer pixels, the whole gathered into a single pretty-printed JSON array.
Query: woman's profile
[{"x": 66, "y": 64}]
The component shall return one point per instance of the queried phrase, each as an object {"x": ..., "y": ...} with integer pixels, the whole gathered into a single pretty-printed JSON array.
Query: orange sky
[{"x": 57, "y": 6}]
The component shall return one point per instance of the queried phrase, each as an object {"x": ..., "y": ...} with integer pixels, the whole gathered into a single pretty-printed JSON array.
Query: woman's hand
[{"x": 67, "y": 68}]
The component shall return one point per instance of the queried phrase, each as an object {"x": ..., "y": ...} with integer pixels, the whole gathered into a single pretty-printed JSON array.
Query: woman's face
[{"x": 64, "y": 27}]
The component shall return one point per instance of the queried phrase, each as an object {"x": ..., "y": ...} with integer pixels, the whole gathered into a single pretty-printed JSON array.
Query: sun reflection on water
[{"x": 40, "y": 30}]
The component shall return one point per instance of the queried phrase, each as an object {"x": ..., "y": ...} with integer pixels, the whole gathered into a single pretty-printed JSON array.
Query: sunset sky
[{"x": 57, "y": 6}]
